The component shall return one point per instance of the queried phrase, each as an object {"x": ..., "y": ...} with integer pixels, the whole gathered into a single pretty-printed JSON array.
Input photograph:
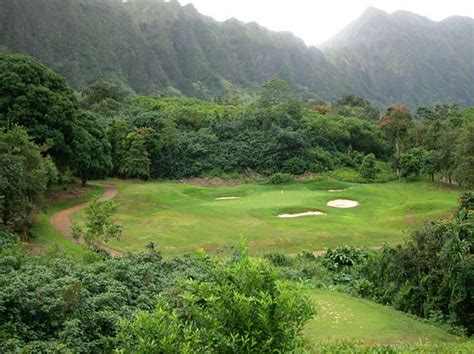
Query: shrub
[
  {"x": 280, "y": 178},
  {"x": 369, "y": 168},
  {"x": 341, "y": 257},
  {"x": 433, "y": 272},
  {"x": 243, "y": 307},
  {"x": 278, "y": 259}
]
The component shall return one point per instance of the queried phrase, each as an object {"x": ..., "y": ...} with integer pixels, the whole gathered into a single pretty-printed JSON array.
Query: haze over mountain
[
  {"x": 406, "y": 57},
  {"x": 163, "y": 47}
]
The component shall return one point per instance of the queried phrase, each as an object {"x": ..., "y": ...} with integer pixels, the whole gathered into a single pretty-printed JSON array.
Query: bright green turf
[
  {"x": 44, "y": 233},
  {"x": 342, "y": 317},
  {"x": 180, "y": 218}
]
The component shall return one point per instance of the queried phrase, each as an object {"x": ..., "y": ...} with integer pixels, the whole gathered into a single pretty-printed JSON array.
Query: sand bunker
[
  {"x": 342, "y": 203},
  {"x": 297, "y": 215},
  {"x": 336, "y": 190},
  {"x": 227, "y": 198}
]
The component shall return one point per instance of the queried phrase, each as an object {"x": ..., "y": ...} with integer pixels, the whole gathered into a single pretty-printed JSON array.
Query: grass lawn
[
  {"x": 44, "y": 234},
  {"x": 180, "y": 218},
  {"x": 342, "y": 317}
]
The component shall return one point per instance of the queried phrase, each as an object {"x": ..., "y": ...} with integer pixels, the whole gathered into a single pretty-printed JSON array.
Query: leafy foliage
[
  {"x": 91, "y": 158},
  {"x": 99, "y": 226},
  {"x": 24, "y": 176},
  {"x": 369, "y": 168},
  {"x": 241, "y": 307},
  {"x": 280, "y": 178},
  {"x": 432, "y": 273},
  {"x": 143, "y": 303},
  {"x": 38, "y": 99}
]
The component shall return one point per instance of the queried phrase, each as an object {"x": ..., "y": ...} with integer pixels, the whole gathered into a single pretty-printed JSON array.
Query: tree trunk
[
  {"x": 397, "y": 156},
  {"x": 83, "y": 181}
]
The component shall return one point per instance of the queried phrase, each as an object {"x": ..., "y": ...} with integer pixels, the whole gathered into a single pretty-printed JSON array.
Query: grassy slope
[
  {"x": 44, "y": 235},
  {"x": 180, "y": 217},
  {"x": 342, "y": 317}
]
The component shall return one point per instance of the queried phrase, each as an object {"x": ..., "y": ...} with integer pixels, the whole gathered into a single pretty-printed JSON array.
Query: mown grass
[
  {"x": 180, "y": 218},
  {"x": 341, "y": 317},
  {"x": 45, "y": 235}
]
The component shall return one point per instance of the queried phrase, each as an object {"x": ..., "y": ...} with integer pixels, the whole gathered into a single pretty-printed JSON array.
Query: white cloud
[{"x": 315, "y": 20}]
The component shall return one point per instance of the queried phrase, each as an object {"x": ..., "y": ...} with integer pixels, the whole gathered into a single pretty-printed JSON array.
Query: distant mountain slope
[
  {"x": 406, "y": 57},
  {"x": 83, "y": 39},
  {"x": 157, "y": 46},
  {"x": 199, "y": 51}
]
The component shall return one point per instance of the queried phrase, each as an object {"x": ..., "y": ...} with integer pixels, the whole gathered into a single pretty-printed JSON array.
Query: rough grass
[
  {"x": 341, "y": 317},
  {"x": 180, "y": 217}
]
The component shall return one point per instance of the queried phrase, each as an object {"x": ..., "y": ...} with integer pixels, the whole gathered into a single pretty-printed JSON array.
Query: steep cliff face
[
  {"x": 156, "y": 46},
  {"x": 83, "y": 39},
  {"x": 405, "y": 57}
]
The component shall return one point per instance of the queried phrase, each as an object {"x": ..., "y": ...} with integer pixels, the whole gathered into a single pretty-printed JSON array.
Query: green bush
[
  {"x": 433, "y": 272},
  {"x": 385, "y": 174},
  {"x": 278, "y": 259},
  {"x": 243, "y": 307},
  {"x": 342, "y": 257},
  {"x": 280, "y": 178},
  {"x": 369, "y": 169}
]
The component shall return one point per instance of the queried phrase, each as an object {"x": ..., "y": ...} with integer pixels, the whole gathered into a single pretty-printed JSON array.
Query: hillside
[
  {"x": 406, "y": 57},
  {"x": 159, "y": 47},
  {"x": 85, "y": 40}
]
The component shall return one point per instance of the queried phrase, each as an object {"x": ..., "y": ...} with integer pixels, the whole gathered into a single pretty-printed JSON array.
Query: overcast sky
[{"x": 315, "y": 21}]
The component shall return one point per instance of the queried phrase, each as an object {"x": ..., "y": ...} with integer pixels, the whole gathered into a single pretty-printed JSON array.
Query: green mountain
[
  {"x": 85, "y": 40},
  {"x": 162, "y": 47},
  {"x": 199, "y": 53},
  {"x": 406, "y": 57}
]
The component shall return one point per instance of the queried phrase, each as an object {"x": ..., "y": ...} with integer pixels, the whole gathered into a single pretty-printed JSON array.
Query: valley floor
[{"x": 180, "y": 218}]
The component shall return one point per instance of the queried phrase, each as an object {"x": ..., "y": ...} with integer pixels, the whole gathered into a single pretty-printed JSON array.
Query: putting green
[{"x": 180, "y": 218}]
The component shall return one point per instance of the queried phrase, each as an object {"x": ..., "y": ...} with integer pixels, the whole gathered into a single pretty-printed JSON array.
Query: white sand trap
[
  {"x": 336, "y": 190},
  {"x": 298, "y": 215},
  {"x": 227, "y": 198},
  {"x": 342, "y": 203}
]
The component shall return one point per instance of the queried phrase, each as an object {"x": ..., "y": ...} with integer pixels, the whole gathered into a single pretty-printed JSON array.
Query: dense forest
[
  {"x": 144, "y": 303},
  {"x": 161, "y": 48}
]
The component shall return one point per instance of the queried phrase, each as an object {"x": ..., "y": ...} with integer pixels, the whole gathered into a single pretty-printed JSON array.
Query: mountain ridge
[{"x": 160, "y": 47}]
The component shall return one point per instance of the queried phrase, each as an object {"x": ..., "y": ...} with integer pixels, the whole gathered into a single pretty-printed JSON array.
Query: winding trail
[{"x": 61, "y": 221}]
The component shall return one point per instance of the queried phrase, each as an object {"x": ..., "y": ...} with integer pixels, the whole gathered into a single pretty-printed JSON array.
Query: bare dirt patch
[
  {"x": 61, "y": 221},
  {"x": 212, "y": 182},
  {"x": 307, "y": 176},
  {"x": 227, "y": 198},
  {"x": 223, "y": 182},
  {"x": 342, "y": 203},
  {"x": 298, "y": 215},
  {"x": 336, "y": 190},
  {"x": 68, "y": 193}
]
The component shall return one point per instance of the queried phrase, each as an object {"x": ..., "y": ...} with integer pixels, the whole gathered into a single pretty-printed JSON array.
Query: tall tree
[
  {"x": 395, "y": 123},
  {"x": 23, "y": 178},
  {"x": 35, "y": 97},
  {"x": 369, "y": 168},
  {"x": 355, "y": 106},
  {"x": 275, "y": 91},
  {"x": 92, "y": 151},
  {"x": 136, "y": 160},
  {"x": 464, "y": 156}
]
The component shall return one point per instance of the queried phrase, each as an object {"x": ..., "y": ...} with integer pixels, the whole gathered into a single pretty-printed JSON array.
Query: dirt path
[{"x": 61, "y": 220}]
